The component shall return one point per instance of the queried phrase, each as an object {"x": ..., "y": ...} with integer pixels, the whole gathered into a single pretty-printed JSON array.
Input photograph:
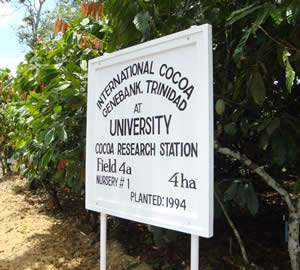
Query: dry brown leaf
[
  {"x": 58, "y": 27},
  {"x": 64, "y": 27},
  {"x": 55, "y": 24},
  {"x": 101, "y": 10},
  {"x": 82, "y": 7}
]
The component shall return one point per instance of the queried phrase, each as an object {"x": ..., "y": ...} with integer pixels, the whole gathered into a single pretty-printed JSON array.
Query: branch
[
  {"x": 260, "y": 171},
  {"x": 235, "y": 231},
  {"x": 287, "y": 45}
]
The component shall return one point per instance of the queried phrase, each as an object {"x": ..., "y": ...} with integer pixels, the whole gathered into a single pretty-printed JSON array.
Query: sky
[{"x": 11, "y": 52}]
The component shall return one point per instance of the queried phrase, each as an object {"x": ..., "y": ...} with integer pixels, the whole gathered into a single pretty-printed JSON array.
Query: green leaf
[
  {"x": 69, "y": 92},
  {"x": 231, "y": 128},
  {"x": 273, "y": 125},
  {"x": 63, "y": 86},
  {"x": 84, "y": 65},
  {"x": 241, "y": 13},
  {"x": 257, "y": 89},
  {"x": 53, "y": 67},
  {"x": 237, "y": 86},
  {"x": 85, "y": 21},
  {"x": 141, "y": 22},
  {"x": 276, "y": 14},
  {"x": 291, "y": 149},
  {"x": 49, "y": 75},
  {"x": 239, "y": 50},
  {"x": 36, "y": 95},
  {"x": 264, "y": 141},
  {"x": 237, "y": 114},
  {"x": 57, "y": 109},
  {"x": 261, "y": 17},
  {"x": 240, "y": 198},
  {"x": 264, "y": 123},
  {"x": 279, "y": 150},
  {"x": 289, "y": 71},
  {"x": 251, "y": 199},
  {"x": 59, "y": 175},
  {"x": 230, "y": 193},
  {"x": 293, "y": 12},
  {"x": 220, "y": 106},
  {"x": 76, "y": 82},
  {"x": 46, "y": 159},
  {"x": 49, "y": 137},
  {"x": 62, "y": 134},
  {"x": 244, "y": 125},
  {"x": 297, "y": 186},
  {"x": 72, "y": 67}
]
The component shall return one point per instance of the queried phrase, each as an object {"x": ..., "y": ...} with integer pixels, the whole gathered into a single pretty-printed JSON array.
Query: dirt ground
[{"x": 33, "y": 237}]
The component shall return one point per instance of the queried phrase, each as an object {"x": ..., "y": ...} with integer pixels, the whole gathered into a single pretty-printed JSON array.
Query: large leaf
[
  {"x": 262, "y": 16},
  {"x": 251, "y": 199},
  {"x": 276, "y": 14},
  {"x": 239, "y": 50},
  {"x": 293, "y": 12},
  {"x": 50, "y": 136},
  {"x": 63, "y": 86},
  {"x": 57, "y": 109},
  {"x": 230, "y": 193},
  {"x": 141, "y": 22},
  {"x": 220, "y": 106},
  {"x": 240, "y": 198},
  {"x": 62, "y": 134},
  {"x": 297, "y": 187},
  {"x": 84, "y": 65},
  {"x": 273, "y": 125},
  {"x": 69, "y": 92},
  {"x": 46, "y": 159},
  {"x": 257, "y": 89},
  {"x": 279, "y": 149},
  {"x": 289, "y": 71},
  {"x": 264, "y": 141},
  {"x": 241, "y": 13},
  {"x": 231, "y": 128},
  {"x": 85, "y": 21}
]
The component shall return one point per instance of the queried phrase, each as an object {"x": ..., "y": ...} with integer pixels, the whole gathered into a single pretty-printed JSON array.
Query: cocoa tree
[{"x": 256, "y": 76}]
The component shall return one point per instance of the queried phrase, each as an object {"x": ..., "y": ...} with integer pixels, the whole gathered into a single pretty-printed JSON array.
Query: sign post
[
  {"x": 150, "y": 135},
  {"x": 194, "y": 252},
  {"x": 103, "y": 230}
]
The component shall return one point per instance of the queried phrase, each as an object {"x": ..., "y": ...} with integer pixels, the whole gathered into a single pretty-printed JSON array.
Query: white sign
[{"x": 150, "y": 133}]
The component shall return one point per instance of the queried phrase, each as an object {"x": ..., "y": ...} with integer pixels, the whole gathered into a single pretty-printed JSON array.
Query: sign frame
[{"x": 199, "y": 38}]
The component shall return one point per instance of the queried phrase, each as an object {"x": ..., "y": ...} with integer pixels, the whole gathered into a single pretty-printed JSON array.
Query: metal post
[
  {"x": 194, "y": 252},
  {"x": 103, "y": 226}
]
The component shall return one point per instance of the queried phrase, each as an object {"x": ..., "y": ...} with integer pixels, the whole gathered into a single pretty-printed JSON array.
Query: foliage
[
  {"x": 256, "y": 75},
  {"x": 28, "y": 32},
  {"x": 38, "y": 22},
  {"x": 65, "y": 10},
  {"x": 257, "y": 87},
  {"x": 54, "y": 79},
  {"x": 6, "y": 95}
]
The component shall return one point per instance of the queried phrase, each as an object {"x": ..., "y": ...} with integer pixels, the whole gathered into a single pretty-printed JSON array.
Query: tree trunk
[
  {"x": 294, "y": 207},
  {"x": 2, "y": 165},
  {"x": 293, "y": 241}
]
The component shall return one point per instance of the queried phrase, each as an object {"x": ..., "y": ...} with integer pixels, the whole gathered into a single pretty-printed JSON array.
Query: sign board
[{"x": 150, "y": 133}]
